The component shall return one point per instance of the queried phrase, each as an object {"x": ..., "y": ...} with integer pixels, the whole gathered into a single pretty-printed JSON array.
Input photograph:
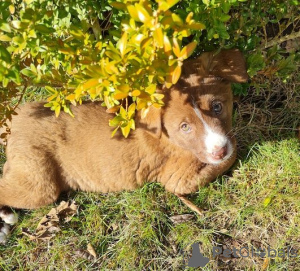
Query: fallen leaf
[
  {"x": 49, "y": 224},
  {"x": 176, "y": 219},
  {"x": 91, "y": 250},
  {"x": 265, "y": 264},
  {"x": 88, "y": 254}
]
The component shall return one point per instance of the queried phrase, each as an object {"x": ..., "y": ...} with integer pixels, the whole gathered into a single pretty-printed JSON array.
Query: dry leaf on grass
[
  {"x": 49, "y": 225},
  {"x": 191, "y": 205},
  {"x": 88, "y": 254},
  {"x": 265, "y": 264},
  {"x": 176, "y": 219}
]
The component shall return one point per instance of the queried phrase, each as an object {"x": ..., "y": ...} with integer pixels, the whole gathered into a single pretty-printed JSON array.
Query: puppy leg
[
  {"x": 27, "y": 184},
  {"x": 9, "y": 218},
  {"x": 183, "y": 181}
]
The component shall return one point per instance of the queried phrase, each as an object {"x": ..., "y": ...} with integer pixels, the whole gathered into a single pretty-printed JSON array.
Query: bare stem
[
  {"x": 191, "y": 205},
  {"x": 280, "y": 40}
]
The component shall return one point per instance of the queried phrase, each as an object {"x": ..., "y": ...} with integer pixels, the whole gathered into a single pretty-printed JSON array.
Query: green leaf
[
  {"x": 28, "y": 73},
  {"x": 115, "y": 121},
  {"x": 5, "y": 38},
  {"x": 188, "y": 50},
  {"x": 176, "y": 74},
  {"x": 267, "y": 201},
  {"x": 126, "y": 130},
  {"x": 5, "y": 27},
  {"x": 118, "y": 5},
  {"x": 57, "y": 110},
  {"x": 131, "y": 110},
  {"x": 4, "y": 54},
  {"x": 16, "y": 24},
  {"x": 114, "y": 132}
]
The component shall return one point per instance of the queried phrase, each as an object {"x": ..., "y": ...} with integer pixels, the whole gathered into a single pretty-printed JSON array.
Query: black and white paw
[{"x": 7, "y": 219}]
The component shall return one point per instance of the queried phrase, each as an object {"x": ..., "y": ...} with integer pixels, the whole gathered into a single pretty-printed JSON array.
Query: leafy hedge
[{"x": 121, "y": 51}]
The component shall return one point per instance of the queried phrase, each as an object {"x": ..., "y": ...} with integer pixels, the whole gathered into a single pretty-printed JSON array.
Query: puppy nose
[{"x": 219, "y": 152}]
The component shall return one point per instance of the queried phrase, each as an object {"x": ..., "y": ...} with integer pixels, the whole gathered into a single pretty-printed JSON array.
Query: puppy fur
[{"x": 47, "y": 155}]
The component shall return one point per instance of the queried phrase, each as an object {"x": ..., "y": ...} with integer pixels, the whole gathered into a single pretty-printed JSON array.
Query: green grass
[{"x": 257, "y": 206}]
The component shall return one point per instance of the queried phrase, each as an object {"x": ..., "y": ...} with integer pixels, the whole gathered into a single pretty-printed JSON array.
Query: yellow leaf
[
  {"x": 158, "y": 96},
  {"x": 5, "y": 38},
  {"x": 189, "y": 17},
  {"x": 144, "y": 112},
  {"x": 11, "y": 9},
  {"x": 167, "y": 45},
  {"x": 126, "y": 130},
  {"x": 145, "y": 43},
  {"x": 114, "y": 131},
  {"x": 159, "y": 36},
  {"x": 132, "y": 124},
  {"x": 133, "y": 12},
  {"x": 151, "y": 89},
  {"x": 131, "y": 110},
  {"x": 91, "y": 83},
  {"x": 120, "y": 95},
  {"x": 52, "y": 97},
  {"x": 118, "y": 5},
  {"x": 267, "y": 201},
  {"x": 188, "y": 50},
  {"x": 265, "y": 264},
  {"x": 113, "y": 109},
  {"x": 176, "y": 74},
  {"x": 184, "y": 33},
  {"x": 141, "y": 104},
  {"x": 50, "y": 89},
  {"x": 123, "y": 88},
  {"x": 123, "y": 44},
  {"x": 176, "y": 48},
  {"x": 142, "y": 13},
  {"x": 135, "y": 93},
  {"x": 57, "y": 110},
  {"x": 168, "y": 82},
  {"x": 78, "y": 92},
  {"x": 71, "y": 97},
  {"x": 176, "y": 19},
  {"x": 165, "y": 5},
  {"x": 171, "y": 3},
  {"x": 157, "y": 105},
  {"x": 196, "y": 26}
]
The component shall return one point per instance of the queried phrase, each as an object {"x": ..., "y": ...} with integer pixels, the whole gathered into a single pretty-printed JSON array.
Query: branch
[
  {"x": 280, "y": 40},
  {"x": 20, "y": 99}
]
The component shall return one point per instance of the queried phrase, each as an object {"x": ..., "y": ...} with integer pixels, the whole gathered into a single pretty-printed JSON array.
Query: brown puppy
[{"x": 184, "y": 145}]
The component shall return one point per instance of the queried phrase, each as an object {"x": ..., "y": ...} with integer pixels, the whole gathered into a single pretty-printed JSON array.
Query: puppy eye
[
  {"x": 185, "y": 127},
  {"x": 217, "y": 107}
]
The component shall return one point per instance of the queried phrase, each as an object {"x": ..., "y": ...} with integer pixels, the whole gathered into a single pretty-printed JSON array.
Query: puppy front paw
[
  {"x": 182, "y": 187},
  {"x": 7, "y": 219}
]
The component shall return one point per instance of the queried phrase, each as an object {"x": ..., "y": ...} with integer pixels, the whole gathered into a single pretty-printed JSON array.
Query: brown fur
[{"x": 47, "y": 155}]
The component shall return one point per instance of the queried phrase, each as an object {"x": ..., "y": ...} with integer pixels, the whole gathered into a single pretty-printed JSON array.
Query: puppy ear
[
  {"x": 152, "y": 122},
  {"x": 227, "y": 64}
]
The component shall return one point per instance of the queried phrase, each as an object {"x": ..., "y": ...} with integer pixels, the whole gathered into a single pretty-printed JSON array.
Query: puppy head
[{"x": 198, "y": 112}]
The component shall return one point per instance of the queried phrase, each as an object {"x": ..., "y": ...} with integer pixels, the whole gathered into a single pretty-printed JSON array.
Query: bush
[{"x": 119, "y": 52}]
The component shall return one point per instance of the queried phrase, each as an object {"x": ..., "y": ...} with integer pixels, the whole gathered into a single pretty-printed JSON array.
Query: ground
[{"x": 256, "y": 204}]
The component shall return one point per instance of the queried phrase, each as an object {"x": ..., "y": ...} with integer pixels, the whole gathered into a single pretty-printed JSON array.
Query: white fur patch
[
  {"x": 5, "y": 229},
  {"x": 10, "y": 218},
  {"x": 214, "y": 141},
  {"x": 3, "y": 238}
]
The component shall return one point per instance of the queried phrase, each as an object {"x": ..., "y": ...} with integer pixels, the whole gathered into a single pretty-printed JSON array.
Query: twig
[
  {"x": 191, "y": 205},
  {"x": 20, "y": 99},
  {"x": 273, "y": 42}
]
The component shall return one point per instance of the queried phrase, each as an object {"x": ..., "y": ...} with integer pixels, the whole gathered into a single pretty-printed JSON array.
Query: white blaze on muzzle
[{"x": 214, "y": 141}]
